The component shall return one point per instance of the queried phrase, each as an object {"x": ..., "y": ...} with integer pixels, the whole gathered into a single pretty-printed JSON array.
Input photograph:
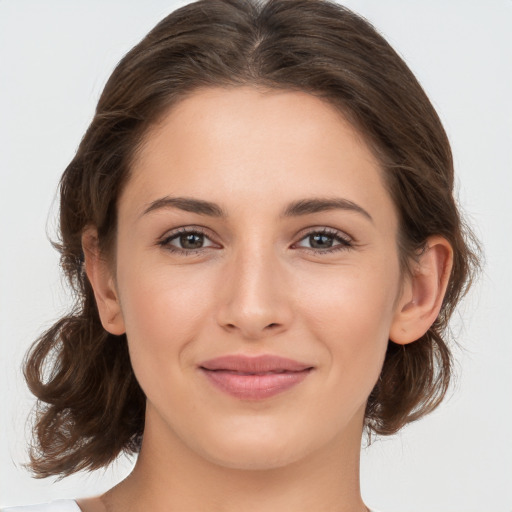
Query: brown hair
[{"x": 90, "y": 406}]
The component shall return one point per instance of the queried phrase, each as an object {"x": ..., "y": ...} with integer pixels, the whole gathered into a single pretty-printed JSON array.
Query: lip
[{"x": 254, "y": 377}]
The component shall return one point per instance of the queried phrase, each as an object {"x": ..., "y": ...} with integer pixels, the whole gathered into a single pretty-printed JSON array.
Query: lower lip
[{"x": 254, "y": 387}]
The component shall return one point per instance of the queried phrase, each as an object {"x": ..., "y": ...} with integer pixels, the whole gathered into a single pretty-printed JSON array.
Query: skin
[{"x": 257, "y": 285}]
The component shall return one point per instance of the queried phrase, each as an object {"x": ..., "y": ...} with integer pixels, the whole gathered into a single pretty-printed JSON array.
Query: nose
[{"x": 254, "y": 297}]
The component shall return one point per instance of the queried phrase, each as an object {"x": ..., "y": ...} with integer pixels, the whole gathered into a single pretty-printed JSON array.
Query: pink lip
[{"x": 254, "y": 378}]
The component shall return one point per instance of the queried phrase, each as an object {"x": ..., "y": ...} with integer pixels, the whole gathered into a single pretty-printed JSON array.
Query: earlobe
[
  {"x": 103, "y": 284},
  {"x": 423, "y": 292}
]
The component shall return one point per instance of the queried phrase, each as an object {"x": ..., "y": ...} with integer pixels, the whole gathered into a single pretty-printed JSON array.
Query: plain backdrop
[{"x": 55, "y": 56}]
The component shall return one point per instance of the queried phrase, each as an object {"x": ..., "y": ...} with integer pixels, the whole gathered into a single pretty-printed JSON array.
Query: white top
[{"x": 54, "y": 506}]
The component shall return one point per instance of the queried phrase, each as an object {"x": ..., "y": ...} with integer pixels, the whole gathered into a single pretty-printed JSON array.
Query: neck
[{"x": 170, "y": 476}]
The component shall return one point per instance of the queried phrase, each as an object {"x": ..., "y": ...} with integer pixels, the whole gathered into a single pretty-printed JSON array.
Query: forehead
[
  {"x": 261, "y": 117},
  {"x": 244, "y": 144}
]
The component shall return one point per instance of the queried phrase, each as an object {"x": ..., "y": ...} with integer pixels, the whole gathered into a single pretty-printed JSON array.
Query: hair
[{"x": 90, "y": 407}]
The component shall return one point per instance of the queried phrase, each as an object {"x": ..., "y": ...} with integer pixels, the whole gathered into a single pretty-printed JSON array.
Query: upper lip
[{"x": 254, "y": 364}]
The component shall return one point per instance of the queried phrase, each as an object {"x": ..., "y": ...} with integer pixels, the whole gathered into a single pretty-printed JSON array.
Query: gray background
[{"x": 54, "y": 59}]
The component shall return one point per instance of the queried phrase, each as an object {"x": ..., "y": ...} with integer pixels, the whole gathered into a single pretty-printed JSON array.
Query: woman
[{"x": 260, "y": 227}]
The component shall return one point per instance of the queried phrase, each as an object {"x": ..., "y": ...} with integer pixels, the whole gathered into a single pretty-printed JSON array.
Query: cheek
[
  {"x": 163, "y": 310},
  {"x": 351, "y": 313}
]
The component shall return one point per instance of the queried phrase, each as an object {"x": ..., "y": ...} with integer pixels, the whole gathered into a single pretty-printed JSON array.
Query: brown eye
[
  {"x": 191, "y": 240},
  {"x": 325, "y": 241},
  {"x": 186, "y": 241},
  {"x": 321, "y": 241}
]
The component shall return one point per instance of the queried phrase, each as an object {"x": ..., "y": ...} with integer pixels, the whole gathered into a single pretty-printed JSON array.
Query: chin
[
  {"x": 256, "y": 448},
  {"x": 254, "y": 457}
]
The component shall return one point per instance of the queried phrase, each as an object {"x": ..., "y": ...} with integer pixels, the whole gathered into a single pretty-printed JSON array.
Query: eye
[
  {"x": 186, "y": 241},
  {"x": 325, "y": 241}
]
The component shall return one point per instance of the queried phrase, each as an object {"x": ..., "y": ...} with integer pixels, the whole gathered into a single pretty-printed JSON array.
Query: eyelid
[
  {"x": 325, "y": 230},
  {"x": 345, "y": 240},
  {"x": 173, "y": 234},
  {"x": 336, "y": 233}
]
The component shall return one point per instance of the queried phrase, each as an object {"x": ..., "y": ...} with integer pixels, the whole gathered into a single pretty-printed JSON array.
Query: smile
[{"x": 254, "y": 378}]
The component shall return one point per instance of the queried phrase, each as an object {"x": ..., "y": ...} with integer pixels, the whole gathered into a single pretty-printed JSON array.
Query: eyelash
[{"x": 344, "y": 241}]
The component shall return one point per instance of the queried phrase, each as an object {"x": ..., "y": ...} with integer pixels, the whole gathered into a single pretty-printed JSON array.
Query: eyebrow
[
  {"x": 315, "y": 205},
  {"x": 294, "y": 209},
  {"x": 188, "y": 204}
]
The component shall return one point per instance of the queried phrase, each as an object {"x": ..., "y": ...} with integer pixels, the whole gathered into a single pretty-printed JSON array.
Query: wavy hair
[{"x": 90, "y": 407}]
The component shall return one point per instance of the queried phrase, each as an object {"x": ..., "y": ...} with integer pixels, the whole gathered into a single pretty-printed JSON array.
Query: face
[{"x": 256, "y": 226}]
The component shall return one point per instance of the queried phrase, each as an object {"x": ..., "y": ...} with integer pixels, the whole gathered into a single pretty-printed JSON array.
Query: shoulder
[{"x": 54, "y": 506}]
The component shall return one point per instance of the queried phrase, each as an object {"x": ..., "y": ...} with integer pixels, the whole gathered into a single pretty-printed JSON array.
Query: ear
[
  {"x": 100, "y": 276},
  {"x": 423, "y": 292}
]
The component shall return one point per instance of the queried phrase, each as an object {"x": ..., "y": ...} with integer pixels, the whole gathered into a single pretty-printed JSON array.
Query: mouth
[{"x": 254, "y": 378}]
